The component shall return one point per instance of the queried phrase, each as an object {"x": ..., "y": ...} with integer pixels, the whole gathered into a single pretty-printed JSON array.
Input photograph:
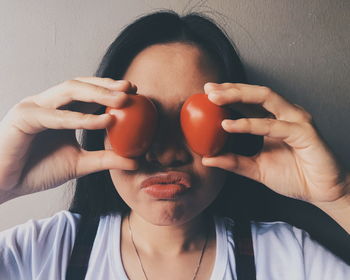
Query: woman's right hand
[{"x": 38, "y": 145}]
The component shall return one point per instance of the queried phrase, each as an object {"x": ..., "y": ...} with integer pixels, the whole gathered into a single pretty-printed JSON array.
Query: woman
[{"x": 126, "y": 232}]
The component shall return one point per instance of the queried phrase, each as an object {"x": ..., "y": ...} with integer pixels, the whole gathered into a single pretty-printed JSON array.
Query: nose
[{"x": 169, "y": 148}]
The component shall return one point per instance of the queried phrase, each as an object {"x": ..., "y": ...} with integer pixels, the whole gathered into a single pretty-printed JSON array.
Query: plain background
[{"x": 299, "y": 48}]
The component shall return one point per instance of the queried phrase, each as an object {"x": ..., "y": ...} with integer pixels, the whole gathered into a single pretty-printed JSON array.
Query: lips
[
  {"x": 173, "y": 177},
  {"x": 167, "y": 185}
]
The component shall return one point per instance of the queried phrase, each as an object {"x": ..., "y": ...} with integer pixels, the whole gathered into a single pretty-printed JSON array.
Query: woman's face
[{"x": 168, "y": 74}]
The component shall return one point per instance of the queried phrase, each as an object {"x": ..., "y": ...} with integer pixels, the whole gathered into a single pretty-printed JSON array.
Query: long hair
[{"x": 95, "y": 194}]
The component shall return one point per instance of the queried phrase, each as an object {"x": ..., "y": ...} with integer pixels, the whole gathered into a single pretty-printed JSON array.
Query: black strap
[
  {"x": 79, "y": 261},
  {"x": 78, "y": 264},
  {"x": 244, "y": 251}
]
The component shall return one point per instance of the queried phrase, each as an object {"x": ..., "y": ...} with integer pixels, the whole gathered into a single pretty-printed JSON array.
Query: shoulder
[
  {"x": 269, "y": 232},
  {"x": 279, "y": 237},
  {"x": 38, "y": 244},
  {"x": 283, "y": 251},
  {"x": 278, "y": 232},
  {"x": 62, "y": 223},
  {"x": 299, "y": 249}
]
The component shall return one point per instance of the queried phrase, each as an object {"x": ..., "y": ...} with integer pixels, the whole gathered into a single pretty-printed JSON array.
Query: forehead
[{"x": 169, "y": 73}]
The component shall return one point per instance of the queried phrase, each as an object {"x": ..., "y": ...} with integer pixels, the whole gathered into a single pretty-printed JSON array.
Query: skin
[
  {"x": 167, "y": 64},
  {"x": 169, "y": 231},
  {"x": 307, "y": 168},
  {"x": 294, "y": 162}
]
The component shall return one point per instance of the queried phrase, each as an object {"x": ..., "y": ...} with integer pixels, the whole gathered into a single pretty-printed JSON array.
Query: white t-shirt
[{"x": 40, "y": 249}]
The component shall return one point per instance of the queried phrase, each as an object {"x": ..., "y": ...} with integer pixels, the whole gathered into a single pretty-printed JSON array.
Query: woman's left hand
[{"x": 294, "y": 160}]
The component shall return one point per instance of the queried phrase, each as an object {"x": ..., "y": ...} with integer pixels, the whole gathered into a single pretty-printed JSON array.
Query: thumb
[
  {"x": 241, "y": 165},
  {"x": 94, "y": 161}
]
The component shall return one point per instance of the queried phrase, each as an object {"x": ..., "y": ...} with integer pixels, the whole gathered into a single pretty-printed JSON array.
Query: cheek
[
  {"x": 210, "y": 180},
  {"x": 126, "y": 187},
  {"x": 121, "y": 181}
]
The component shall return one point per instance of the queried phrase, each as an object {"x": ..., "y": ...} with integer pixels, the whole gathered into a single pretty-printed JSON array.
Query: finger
[
  {"x": 121, "y": 85},
  {"x": 229, "y": 93},
  {"x": 247, "y": 110},
  {"x": 245, "y": 166},
  {"x": 39, "y": 119},
  {"x": 94, "y": 161},
  {"x": 294, "y": 134},
  {"x": 75, "y": 90}
]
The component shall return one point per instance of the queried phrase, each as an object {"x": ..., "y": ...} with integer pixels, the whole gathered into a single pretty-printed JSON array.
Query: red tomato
[
  {"x": 133, "y": 130},
  {"x": 201, "y": 125}
]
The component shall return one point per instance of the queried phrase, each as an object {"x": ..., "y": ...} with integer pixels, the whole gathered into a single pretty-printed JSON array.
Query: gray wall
[{"x": 299, "y": 48}]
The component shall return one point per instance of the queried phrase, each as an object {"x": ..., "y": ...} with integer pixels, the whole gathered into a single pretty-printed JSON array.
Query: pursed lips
[{"x": 171, "y": 177}]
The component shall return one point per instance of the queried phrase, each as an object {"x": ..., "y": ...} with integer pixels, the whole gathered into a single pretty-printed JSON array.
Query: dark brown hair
[{"x": 95, "y": 193}]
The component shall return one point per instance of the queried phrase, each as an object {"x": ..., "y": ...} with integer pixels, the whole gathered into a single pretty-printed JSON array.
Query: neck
[{"x": 168, "y": 240}]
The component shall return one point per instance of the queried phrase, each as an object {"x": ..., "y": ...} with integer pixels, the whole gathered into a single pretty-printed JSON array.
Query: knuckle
[
  {"x": 269, "y": 125},
  {"x": 101, "y": 91},
  {"x": 269, "y": 122},
  {"x": 68, "y": 84},
  {"x": 232, "y": 162},
  {"x": 23, "y": 114},
  {"x": 80, "y": 78},
  {"x": 306, "y": 117},
  {"x": 233, "y": 91},
  {"x": 20, "y": 107},
  {"x": 246, "y": 123},
  {"x": 67, "y": 88},
  {"x": 265, "y": 91},
  {"x": 110, "y": 80},
  {"x": 27, "y": 99},
  {"x": 60, "y": 117},
  {"x": 307, "y": 127},
  {"x": 87, "y": 119},
  {"x": 17, "y": 110},
  {"x": 225, "y": 85},
  {"x": 127, "y": 82}
]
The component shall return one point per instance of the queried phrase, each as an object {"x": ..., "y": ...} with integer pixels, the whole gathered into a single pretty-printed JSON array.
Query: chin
[{"x": 168, "y": 213}]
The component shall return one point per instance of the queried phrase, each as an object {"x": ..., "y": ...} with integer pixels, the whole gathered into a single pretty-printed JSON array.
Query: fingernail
[
  {"x": 113, "y": 112},
  {"x": 205, "y": 161},
  {"x": 226, "y": 123},
  {"x": 210, "y": 85},
  {"x": 120, "y": 82},
  {"x": 134, "y": 165},
  {"x": 212, "y": 96}
]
